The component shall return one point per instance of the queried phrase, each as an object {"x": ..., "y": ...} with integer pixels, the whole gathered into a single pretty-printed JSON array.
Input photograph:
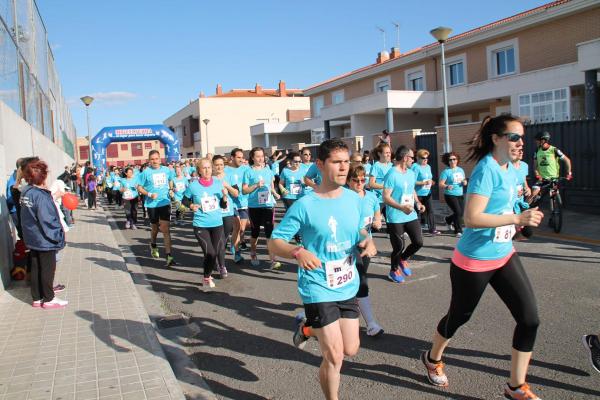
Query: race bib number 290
[
  {"x": 159, "y": 180},
  {"x": 340, "y": 272}
]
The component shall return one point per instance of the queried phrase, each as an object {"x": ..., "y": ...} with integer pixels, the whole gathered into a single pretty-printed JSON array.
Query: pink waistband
[{"x": 473, "y": 265}]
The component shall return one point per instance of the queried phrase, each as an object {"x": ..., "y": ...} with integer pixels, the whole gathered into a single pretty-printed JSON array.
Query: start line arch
[{"x": 116, "y": 134}]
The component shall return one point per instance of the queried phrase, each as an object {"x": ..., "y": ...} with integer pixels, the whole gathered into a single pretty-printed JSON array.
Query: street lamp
[
  {"x": 441, "y": 35},
  {"x": 206, "y": 121},
  {"x": 87, "y": 100}
]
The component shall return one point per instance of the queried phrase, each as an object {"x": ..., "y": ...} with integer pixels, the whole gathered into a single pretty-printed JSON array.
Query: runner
[
  {"x": 258, "y": 184},
  {"x": 485, "y": 254},
  {"x": 523, "y": 192},
  {"x": 237, "y": 171},
  {"x": 130, "y": 198},
  {"x": 155, "y": 182},
  {"x": 366, "y": 163},
  {"x": 371, "y": 217},
  {"x": 228, "y": 212},
  {"x": 424, "y": 183},
  {"x": 108, "y": 184},
  {"x": 330, "y": 221},
  {"x": 206, "y": 197},
  {"x": 452, "y": 180},
  {"x": 180, "y": 183},
  {"x": 291, "y": 184},
  {"x": 400, "y": 197},
  {"x": 116, "y": 187},
  {"x": 383, "y": 153}
]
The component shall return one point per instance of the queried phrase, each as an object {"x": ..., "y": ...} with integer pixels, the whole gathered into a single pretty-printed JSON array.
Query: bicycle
[{"x": 551, "y": 186}]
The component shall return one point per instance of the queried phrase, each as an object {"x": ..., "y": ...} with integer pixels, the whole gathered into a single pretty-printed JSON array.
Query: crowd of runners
[{"x": 333, "y": 205}]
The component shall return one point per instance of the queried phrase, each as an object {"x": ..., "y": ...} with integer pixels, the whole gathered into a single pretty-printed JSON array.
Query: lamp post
[
  {"x": 87, "y": 100},
  {"x": 441, "y": 35},
  {"x": 206, "y": 121}
]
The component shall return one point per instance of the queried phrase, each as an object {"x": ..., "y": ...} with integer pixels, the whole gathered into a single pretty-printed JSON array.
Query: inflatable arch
[{"x": 115, "y": 134}]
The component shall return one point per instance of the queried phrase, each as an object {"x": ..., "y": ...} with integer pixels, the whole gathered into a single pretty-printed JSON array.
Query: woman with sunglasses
[
  {"x": 452, "y": 180},
  {"x": 291, "y": 182},
  {"x": 383, "y": 153},
  {"x": 485, "y": 254},
  {"x": 424, "y": 183},
  {"x": 371, "y": 215},
  {"x": 400, "y": 198}
]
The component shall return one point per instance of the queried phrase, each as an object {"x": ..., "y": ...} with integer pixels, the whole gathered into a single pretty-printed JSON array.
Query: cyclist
[{"x": 547, "y": 163}]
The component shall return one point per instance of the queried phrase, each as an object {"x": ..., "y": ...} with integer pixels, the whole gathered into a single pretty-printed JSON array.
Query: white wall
[{"x": 18, "y": 139}]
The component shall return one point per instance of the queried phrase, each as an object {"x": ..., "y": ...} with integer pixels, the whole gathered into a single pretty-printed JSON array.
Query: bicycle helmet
[{"x": 542, "y": 136}]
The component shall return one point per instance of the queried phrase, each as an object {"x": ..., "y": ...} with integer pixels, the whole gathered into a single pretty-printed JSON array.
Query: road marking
[
  {"x": 421, "y": 279},
  {"x": 568, "y": 237}
]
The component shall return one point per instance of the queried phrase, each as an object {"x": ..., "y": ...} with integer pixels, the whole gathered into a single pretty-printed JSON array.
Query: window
[
  {"x": 415, "y": 81},
  {"x": 503, "y": 58},
  {"x": 318, "y": 104},
  {"x": 83, "y": 152},
  {"x": 147, "y": 145},
  {"x": 337, "y": 97},
  {"x": 551, "y": 105},
  {"x": 124, "y": 147},
  {"x": 112, "y": 151},
  {"x": 136, "y": 150},
  {"x": 196, "y": 136},
  {"x": 382, "y": 84},
  {"x": 456, "y": 74}
]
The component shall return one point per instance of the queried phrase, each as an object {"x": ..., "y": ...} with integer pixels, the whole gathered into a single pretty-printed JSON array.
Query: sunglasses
[
  {"x": 411, "y": 157},
  {"x": 296, "y": 161},
  {"x": 424, "y": 158},
  {"x": 512, "y": 137},
  {"x": 452, "y": 159},
  {"x": 359, "y": 180}
]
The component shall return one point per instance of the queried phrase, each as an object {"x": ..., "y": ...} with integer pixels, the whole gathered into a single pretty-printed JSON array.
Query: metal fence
[
  {"x": 580, "y": 141},
  {"x": 29, "y": 82}
]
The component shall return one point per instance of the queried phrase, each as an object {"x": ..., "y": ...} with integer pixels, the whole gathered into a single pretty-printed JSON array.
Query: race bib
[
  {"x": 128, "y": 194},
  {"x": 226, "y": 210},
  {"x": 340, "y": 272},
  {"x": 263, "y": 197},
  {"x": 209, "y": 204},
  {"x": 159, "y": 179},
  {"x": 457, "y": 177},
  {"x": 407, "y": 199},
  {"x": 295, "y": 188},
  {"x": 520, "y": 190},
  {"x": 180, "y": 186},
  {"x": 367, "y": 222},
  {"x": 426, "y": 187},
  {"x": 117, "y": 185},
  {"x": 504, "y": 233}
]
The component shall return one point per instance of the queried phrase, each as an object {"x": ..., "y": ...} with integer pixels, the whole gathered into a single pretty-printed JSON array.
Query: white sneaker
[
  {"x": 208, "y": 282},
  {"x": 374, "y": 329},
  {"x": 254, "y": 260},
  {"x": 55, "y": 303},
  {"x": 127, "y": 225},
  {"x": 459, "y": 235}
]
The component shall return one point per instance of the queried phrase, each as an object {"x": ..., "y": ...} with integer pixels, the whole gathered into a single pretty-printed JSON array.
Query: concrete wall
[{"x": 19, "y": 139}]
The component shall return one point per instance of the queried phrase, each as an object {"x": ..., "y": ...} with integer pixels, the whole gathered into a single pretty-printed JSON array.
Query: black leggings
[
  {"x": 260, "y": 217},
  {"x": 396, "y": 231},
  {"x": 428, "y": 215},
  {"x": 211, "y": 241},
  {"x": 131, "y": 210},
  {"x": 91, "y": 198},
  {"x": 109, "y": 195},
  {"x": 457, "y": 205},
  {"x": 512, "y": 286},
  {"x": 227, "y": 228},
  {"x": 362, "y": 265},
  {"x": 118, "y": 197},
  {"x": 43, "y": 268}
]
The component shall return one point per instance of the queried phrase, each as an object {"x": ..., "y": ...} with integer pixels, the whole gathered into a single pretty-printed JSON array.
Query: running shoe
[
  {"x": 170, "y": 261},
  {"x": 275, "y": 265},
  {"x": 238, "y": 257},
  {"x": 404, "y": 267},
  {"x": 254, "y": 260},
  {"x": 435, "y": 371},
  {"x": 299, "y": 338},
  {"x": 127, "y": 225},
  {"x": 133, "y": 227},
  {"x": 208, "y": 282},
  {"x": 223, "y": 271},
  {"x": 55, "y": 303},
  {"x": 521, "y": 393},
  {"x": 243, "y": 246},
  {"x": 59, "y": 288},
  {"x": 436, "y": 232},
  {"x": 232, "y": 250},
  {"x": 396, "y": 276},
  {"x": 449, "y": 223},
  {"x": 592, "y": 344},
  {"x": 459, "y": 235},
  {"x": 373, "y": 329},
  {"x": 37, "y": 304},
  {"x": 154, "y": 252}
]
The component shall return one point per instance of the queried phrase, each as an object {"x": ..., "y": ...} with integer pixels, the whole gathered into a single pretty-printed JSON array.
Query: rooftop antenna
[
  {"x": 380, "y": 29},
  {"x": 397, "y": 25}
]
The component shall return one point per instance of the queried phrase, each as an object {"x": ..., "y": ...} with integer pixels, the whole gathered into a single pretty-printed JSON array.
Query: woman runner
[
  {"x": 227, "y": 213},
  {"x": 452, "y": 180},
  {"x": 424, "y": 183},
  {"x": 130, "y": 198}
]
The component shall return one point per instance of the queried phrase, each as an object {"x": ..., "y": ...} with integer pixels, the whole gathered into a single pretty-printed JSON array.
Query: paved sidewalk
[{"x": 102, "y": 346}]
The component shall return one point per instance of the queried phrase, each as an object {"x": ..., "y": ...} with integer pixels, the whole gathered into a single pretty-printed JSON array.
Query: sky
[{"x": 143, "y": 60}]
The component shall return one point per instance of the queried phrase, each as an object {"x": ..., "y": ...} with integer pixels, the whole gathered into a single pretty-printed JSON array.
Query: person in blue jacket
[{"x": 43, "y": 234}]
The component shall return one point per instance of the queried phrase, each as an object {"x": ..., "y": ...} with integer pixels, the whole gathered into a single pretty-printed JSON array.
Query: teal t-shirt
[
  {"x": 156, "y": 181},
  {"x": 498, "y": 185},
  {"x": 330, "y": 230},
  {"x": 129, "y": 188},
  {"x": 379, "y": 172},
  {"x": 116, "y": 182},
  {"x": 260, "y": 197},
  {"x": 237, "y": 177},
  {"x": 454, "y": 177},
  {"x": 521, "y": 179},
  {"x": 367, "y": 168},
  {"x": 403, "y": 189},
  {"x": 369, "y": 206},
  {"x": 209, "y": 214},
  {"x": 179, "y": 186},
  {"x": 313, "y": 174},
  {"x": 229, "y": 211},
  {"x": 293, "y": 182},
  {"x": 108, "y": 181},
  {"x": 423, "y": 173}
]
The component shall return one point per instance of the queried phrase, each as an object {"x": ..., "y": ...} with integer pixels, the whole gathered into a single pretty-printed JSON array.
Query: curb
[{"x": 187, "y": 378}]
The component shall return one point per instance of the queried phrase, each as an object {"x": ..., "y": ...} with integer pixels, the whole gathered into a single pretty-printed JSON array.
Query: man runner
[
  {"x": 236, "y": 172},
  {"x": 329, "y": 221},
  {"x": 156, "y": 183}
]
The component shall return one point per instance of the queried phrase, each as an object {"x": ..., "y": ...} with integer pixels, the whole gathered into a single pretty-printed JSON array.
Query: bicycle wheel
[{"x": 557, "y": 213}]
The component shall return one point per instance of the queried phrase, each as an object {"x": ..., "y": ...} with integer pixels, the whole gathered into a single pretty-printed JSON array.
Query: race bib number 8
[
  {"x": 340, "y": 272},
  {"x": 159, "y": 180}
]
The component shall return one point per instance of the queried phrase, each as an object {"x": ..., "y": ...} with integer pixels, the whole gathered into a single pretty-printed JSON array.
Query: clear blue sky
[{"x": 145, "y": 59}]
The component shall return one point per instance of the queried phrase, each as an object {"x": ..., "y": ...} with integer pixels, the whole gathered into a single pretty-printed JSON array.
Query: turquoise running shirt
[
  {"x": 229, "y": 211},
  {"x": 156, "y": 181},
  {"x": 403, "y": 189},
  {"x": 423, "y": 173},
  {"x": 209, "y": 214},
  {"x": 454, "y": 177},
  {"x": 379, "y": 171},
  {"x": 294, "y": 183},
  {"x": 129, "y": 188},
  {"x": 261, "y": 197},
  {"x": 237, "y": 176}
]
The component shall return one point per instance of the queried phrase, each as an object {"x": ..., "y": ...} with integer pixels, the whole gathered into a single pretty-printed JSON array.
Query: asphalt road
[{"x": 244, "y": 348}]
